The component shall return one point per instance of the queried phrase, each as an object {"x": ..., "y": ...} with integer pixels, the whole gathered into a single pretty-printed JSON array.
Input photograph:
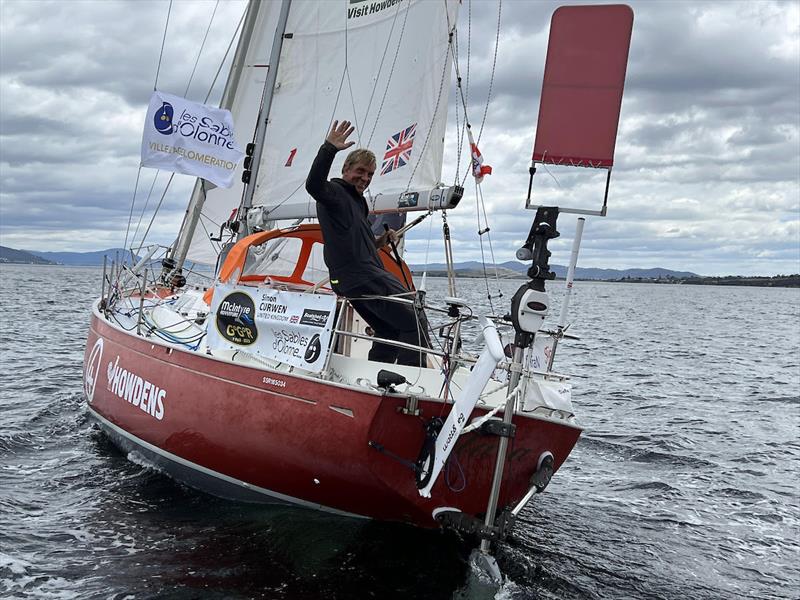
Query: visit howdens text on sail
[{"x": 370, "y": 8}]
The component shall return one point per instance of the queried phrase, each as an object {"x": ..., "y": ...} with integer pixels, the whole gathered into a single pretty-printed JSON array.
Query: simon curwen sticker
[{"x": 289, "y": 327}]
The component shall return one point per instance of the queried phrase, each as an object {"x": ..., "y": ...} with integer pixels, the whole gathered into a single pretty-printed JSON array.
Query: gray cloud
[{"x": 707, "y": 169}]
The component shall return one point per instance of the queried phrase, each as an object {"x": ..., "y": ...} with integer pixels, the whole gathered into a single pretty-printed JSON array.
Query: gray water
[{"x": 684, "y": 484}]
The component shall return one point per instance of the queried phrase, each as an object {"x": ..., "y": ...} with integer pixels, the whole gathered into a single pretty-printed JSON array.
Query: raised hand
[{"x": 339, "y": 134}]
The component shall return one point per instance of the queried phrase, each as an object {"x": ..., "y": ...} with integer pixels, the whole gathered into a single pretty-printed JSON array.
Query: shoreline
[
  {"x": 785, "y": 281},
  {"x": 782, "y": 281}
]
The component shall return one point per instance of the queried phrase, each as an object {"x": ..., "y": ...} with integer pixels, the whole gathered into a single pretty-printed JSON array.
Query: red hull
[{"x": 293, "y": 438}]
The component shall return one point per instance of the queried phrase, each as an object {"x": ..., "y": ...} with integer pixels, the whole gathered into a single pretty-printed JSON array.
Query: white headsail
[{"x": 244, "y": 91}]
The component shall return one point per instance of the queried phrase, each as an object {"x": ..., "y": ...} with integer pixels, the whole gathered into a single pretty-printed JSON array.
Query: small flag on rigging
[{"x": 478, "y": 168}]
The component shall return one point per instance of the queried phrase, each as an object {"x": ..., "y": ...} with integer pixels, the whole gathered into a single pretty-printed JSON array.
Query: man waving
[{"x": 351, "y": 250}]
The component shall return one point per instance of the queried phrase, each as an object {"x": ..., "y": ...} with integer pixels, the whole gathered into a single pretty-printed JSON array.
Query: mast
[
  {"x": 261, "y": 130},
  {"x": 192, "y": 216}
]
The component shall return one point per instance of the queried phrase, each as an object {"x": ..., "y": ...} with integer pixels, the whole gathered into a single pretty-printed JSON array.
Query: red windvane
[{"x": 582, "y": 88}]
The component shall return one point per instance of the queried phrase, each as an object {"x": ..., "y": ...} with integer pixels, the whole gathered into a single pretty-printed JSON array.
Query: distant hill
[
  {"x": 82, "y": 259},
  {"x": 656, "y": 273},
  {"x": 95, "y": 259},
  {"x": 509, "y": 269},
  {"x": 774, "y": 281},
  {"x": 9, "y": 255},
  {"x": 513, "y": 268}
]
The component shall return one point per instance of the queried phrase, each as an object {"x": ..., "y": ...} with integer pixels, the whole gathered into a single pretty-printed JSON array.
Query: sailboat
[{"x": 259, "y": 386}]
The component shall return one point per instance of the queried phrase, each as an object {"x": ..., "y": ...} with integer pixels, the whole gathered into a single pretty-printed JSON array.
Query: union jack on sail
[{"x": 398, "y": 149}]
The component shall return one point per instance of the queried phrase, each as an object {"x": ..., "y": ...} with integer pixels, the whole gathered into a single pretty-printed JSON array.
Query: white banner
[
  {"x": 289, "y": 327},
  {"x": 190, "y": 138},
  {"x": 538, "y": 356}
]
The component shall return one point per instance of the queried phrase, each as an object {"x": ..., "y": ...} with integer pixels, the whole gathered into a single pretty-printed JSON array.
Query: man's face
[{"x": 359, "y": 175}]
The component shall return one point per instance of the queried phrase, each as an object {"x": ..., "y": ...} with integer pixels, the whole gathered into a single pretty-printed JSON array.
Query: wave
[
  {"x": 779, "y": 399},
  {"x": 658, "y": 486},
  {"x": 628, "y": 452}
]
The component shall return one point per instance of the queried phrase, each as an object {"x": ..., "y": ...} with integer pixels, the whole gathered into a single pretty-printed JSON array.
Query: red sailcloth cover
[{"x": 584, "y": 76}]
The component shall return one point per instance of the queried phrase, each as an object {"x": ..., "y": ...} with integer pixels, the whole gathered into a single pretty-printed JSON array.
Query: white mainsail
[{"x": 382, "y": 64}]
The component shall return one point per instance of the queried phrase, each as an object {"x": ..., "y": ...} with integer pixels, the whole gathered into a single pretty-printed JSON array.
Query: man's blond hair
[{"x": 359, "y": 156}]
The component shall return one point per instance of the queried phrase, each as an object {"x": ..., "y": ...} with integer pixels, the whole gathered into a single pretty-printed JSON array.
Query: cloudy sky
[{"x": 707, "y": 167}]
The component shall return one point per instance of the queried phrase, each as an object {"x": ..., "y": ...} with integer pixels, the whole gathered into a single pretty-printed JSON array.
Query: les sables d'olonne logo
[
  {"x": 162, "y": 120},
  {"x": 202, "y": 128}
]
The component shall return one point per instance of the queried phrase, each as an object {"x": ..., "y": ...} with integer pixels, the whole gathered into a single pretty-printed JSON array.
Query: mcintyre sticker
[{"x": 236, "y": 319}]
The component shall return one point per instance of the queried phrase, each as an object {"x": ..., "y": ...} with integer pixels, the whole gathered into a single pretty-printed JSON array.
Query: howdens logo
[
  {"x": 93, "y": 369},
  {"x": 138, "y": 391}
]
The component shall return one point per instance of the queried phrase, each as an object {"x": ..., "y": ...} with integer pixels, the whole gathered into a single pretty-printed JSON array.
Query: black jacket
[{"x": 350, "y": 252}]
